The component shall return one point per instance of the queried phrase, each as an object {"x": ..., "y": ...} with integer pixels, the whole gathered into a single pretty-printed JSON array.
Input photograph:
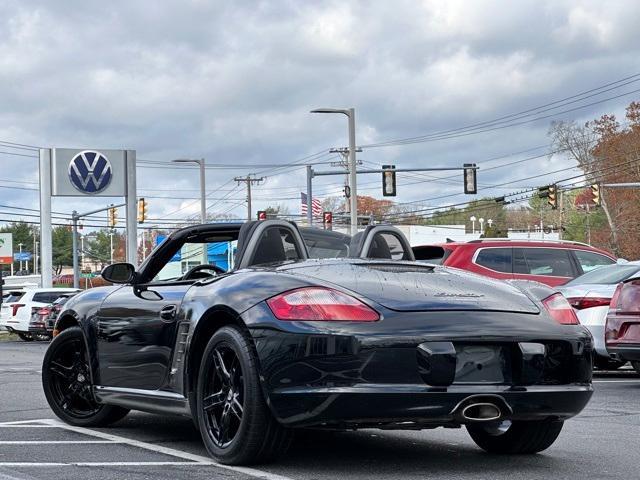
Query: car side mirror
[{"x": 119, "y": 273}]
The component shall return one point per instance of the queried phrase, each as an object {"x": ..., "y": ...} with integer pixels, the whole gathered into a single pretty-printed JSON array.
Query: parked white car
[
  {"x": 19, "y": 304},
  {"x": 590, "y": 295}
]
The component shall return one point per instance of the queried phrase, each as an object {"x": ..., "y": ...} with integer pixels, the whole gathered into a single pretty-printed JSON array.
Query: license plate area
[{"x": 483, "y": 364}]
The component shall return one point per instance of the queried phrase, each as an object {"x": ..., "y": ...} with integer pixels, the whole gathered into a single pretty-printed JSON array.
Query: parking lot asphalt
[{"x": 602, "y": 443}]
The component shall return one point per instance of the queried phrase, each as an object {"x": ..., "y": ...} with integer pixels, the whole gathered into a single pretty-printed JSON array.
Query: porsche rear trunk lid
[{"x": 412, "y": 287}]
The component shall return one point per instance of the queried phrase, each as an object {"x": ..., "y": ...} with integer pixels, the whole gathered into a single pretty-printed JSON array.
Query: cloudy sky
[{"x": 233, "y": 82}]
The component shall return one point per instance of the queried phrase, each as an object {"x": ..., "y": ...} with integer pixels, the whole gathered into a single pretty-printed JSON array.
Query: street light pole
[
  {"x": 353, "y": 200},
  {"x": 203, "y": 199}
]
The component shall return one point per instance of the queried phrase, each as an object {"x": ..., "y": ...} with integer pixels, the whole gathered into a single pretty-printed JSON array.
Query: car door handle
[{"x": 168, "y": 312}]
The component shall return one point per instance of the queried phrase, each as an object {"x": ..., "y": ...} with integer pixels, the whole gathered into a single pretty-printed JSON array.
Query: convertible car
[{"x": 281, "y": 342}]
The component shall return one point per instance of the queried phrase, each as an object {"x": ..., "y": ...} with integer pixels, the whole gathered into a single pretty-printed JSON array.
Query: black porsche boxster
[{"x": 280, "y": 341}]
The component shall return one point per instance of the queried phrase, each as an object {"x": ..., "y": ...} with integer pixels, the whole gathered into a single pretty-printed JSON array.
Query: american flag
[{"x": 316, "y": 206}]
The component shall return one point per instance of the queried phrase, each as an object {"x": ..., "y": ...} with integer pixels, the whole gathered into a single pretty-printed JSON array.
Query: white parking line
[
  {"x": 188, "y": 459},
  {"x": 617, "y": 381},
  {"x": 54, "y": 442}
]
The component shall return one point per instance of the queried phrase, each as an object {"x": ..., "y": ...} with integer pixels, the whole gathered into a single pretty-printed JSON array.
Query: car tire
[
  {"x": 66, "y": 381},
  {"x": 603, "y": 363},
  {"x": 636, "y": 365},
  {"x": 25, "y": 336},
  {"x": 234, "y": 420},
  {"x": 518, "y": 437}
]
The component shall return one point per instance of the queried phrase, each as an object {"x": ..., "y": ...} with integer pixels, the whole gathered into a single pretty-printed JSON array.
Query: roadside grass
[{"x": 7, "y": 337}]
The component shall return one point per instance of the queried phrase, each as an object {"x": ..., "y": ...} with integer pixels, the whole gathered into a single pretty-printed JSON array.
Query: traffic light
[
  {"x": 327, "y": 220},
  {"x": 470, "y": 181},
  {"x": 142, "y": 210},
  {"x": 552, "y": 196},
  {"x": 112, "y": 217},
  {"x": 595, "y": 194},
  {"x": 262, "y": 215},
  {"x": 388, "y": 181}
]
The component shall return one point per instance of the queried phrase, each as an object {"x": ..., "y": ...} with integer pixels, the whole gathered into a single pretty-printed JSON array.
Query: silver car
[{"x": 590, "y": 295}]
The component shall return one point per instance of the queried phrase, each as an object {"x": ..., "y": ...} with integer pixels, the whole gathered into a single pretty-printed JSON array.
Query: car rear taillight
[
  {"x": 320, "y": 304},
  {"x": 626, "y": 299},
  {"x": 44, "y": 311},
  {"x": 15, "y": 307},
  {"x": 580, "y": 303},
  {"x": 560, "y": 309},
  {"x": 623, "y": 319}
]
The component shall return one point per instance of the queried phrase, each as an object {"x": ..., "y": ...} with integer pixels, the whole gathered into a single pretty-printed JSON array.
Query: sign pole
[
  {"x": 46, "y": 242},
  {"x": 74, "y": 247},
  {"x": 131, "y": 203}
]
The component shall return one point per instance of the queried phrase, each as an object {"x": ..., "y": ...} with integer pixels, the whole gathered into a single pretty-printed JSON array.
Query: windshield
[
  {"x": 325, "y": 245},
  {"x": 606, "y": 275}
]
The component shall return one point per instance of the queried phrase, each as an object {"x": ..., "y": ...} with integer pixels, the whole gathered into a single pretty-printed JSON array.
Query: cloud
[{"x": 234, "y": 82}]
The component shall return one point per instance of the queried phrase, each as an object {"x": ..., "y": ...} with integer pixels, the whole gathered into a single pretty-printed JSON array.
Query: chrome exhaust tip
[{"x": 481, "y": 412}]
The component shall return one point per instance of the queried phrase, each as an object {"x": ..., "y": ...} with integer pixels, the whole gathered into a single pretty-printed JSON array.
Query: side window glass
[
  {"x": 276, "y": 244},
  {"x": 590, "y": 261},
  {"x": 498, "y": 259},
  {"x": 554, "y": 262},
  {"x": 519, "y": 262},
  {"x": 386, "y": 245}
]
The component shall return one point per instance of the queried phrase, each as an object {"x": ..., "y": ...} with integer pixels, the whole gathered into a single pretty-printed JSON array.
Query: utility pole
[
  {"x": 344, "y": 163},
  {"x": 111, "y": 245},
  {"x": 249, "y": 181},
  {"x": 353, "y": 199},
  {"x": 560, "y": 218}
]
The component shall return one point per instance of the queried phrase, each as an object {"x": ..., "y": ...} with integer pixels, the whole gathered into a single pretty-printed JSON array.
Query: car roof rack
[{"x": 481, "y": 240}]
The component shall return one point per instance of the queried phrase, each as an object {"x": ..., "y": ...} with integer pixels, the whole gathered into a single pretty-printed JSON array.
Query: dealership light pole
[
  {"x": 353, "y": 200},
  {"x": 203, "y": 200}
]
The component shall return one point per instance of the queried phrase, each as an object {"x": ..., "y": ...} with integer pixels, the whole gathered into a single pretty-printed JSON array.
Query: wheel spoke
[
  {"x": 61, "y": 370},
  {"x": 223, "y": 431},
  {"x": 221, "y": 367},
  {"x": 236, "y": 407},
  {"x": 214, "y": 400}
]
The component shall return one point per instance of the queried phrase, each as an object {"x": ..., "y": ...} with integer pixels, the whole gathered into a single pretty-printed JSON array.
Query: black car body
[{"x": 445, "y": 348}]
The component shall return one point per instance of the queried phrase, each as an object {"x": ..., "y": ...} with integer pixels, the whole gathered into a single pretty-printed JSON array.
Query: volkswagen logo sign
[{"x": 90, "y": 172}]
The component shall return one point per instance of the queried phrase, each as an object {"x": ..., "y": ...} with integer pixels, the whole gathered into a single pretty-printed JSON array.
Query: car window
[
  {"x": 276, "y": 244},
  {"x": 554, "y": 262},
  {"x": 12, "y": 297},
  {"x": 386, "y": 245},
  {"x": 498, "y": 259},
  {"x": 607, "y": 275},
  {"x": 590, "y": 261},
  {"x": 326, "y": 246},
  {"x": 46, "y": 297},
  {"x": 190, "y": 255}
]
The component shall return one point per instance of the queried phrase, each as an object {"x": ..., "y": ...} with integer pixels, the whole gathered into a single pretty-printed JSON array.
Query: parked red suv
[{"x": 552, "y": 262}]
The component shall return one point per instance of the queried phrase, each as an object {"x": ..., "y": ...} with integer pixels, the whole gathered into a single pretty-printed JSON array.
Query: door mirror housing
[{"x": 119, "y": 273}]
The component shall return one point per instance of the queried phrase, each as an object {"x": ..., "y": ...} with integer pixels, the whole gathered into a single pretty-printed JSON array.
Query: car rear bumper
[
  {"x": 413, "y": 406},
  {"x": 347, "y": 376},
  {"x": 628, "y": 352}
]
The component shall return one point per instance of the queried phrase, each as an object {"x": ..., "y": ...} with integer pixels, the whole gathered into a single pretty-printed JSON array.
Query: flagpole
[{"x": 309, "y": 195}]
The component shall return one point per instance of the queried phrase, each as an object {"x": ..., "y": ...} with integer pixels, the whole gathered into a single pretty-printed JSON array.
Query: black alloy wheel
[
  {"x": 517, "y": 437},
  {"x": 66, "y": 379},
  {"x": 234, "y": 420},
  {"x": 223, "y": 401}
]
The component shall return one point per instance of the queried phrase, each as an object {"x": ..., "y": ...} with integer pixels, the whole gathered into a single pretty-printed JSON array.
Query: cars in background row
[
  {"x": 18, "y": 307},
  {"x": 546, "y": 261},
  {"x": 590, "y": 296},
  {"x": 622, "y": 329},
  {"x": 44, "y": 318}
]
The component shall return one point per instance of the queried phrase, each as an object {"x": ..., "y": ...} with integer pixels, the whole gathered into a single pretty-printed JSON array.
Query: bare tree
[{"x": 579, "y": 141}]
